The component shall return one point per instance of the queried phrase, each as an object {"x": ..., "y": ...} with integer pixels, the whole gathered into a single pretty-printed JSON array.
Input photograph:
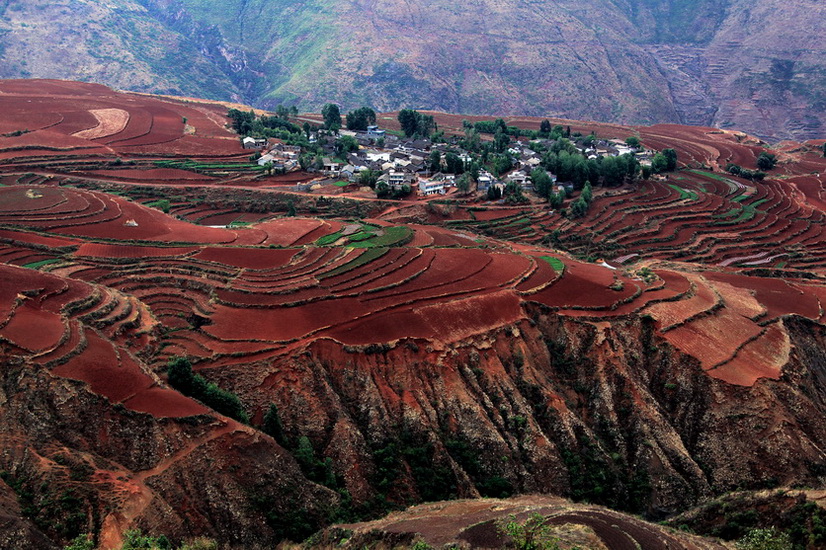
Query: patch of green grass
[
  {"x": 237, "y": 223},
  {"x": 684, "y": 193},
  {"x": 364, "y": 258},
  {"x": 341, "y": 183},
  {"x": 328, "y": 239},
  {"x": 555, "y": 263},
  {"x": 41, "y": 263},
  {"x": 393, "y": 236}
]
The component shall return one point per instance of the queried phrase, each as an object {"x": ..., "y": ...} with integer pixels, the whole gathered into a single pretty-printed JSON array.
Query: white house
[{"x": 431, "y": 187}]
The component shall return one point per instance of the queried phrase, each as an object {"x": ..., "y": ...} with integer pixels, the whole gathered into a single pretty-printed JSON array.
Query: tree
[
  {"x": 586, "y": 192},
  {"x": 765, "y": 539},
  {"x": 579, "y": 208},
  {"x": 241, "y": 121},
  {"x": 671, "y": 156},
  {"x": 766, "y": 161},
  {"x": 369, "y": 178},
  {"x": 81, "y": 542},
  {"x": 361, "y": 118},
  {"x": 272, "y": 425},
  {"x": 179, "y": 374},
  {"x": 659, "y": 163},
  {"x": 435, "y": 161},
  {"x": 541, "y": 181},
  {"x": 332, "y": 116},
  {"x": 545, "y": 128},
  {"x": 513, "y": 193},
  {"x": 633, "y": 141},
  {"x": 453, "y": 164},
  {"x": 557, "y": 199},
  {"x": 407, "y": 120},
  {"x": 415, "y": 124},
  {"x": 532, "y": 534},
  {"x": 346, "y": 144},
  {"x": 463, "y": 184}
]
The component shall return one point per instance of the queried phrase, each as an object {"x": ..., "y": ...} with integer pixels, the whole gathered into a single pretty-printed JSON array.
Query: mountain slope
[{"x": 754, "y": 65}]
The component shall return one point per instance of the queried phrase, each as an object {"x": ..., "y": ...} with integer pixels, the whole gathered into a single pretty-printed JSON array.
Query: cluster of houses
[{"x": 405, "y": 162}]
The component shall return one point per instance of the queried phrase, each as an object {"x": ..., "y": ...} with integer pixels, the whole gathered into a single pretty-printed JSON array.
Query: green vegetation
[
  {"x": 633, "y": 141},
  {"x": 416, "y": 125},
  {"x": 181, "y": 377},
  {"x": 665, "y": 161},
  {"x": 332, "y": 117},
  {"x": 556, "y": 263},
  {"x": 60, "y": 514},
  {"x": 136, "y": 540},
  {"x": 753, "y": 175},
  {"x": 765, "y": 539},
  {"x": 766, "y": 161},
  {"x": 41, "y": 263},
  {"x": 361, "y": 118},
  {"x": 207, "y": 168},
  {"x": 364, "y": 258},
  {"x": 684, "y": 193},
  {"x": 341, "y": 183},
  {"x": 161, "y": 204},
  {"x": 531, "y": 534}
]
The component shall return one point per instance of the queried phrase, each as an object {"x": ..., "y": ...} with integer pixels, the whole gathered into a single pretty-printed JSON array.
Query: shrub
[
  {"x": 765, "y": 539},
  {"x": 180, "y": 376},
  {"x": 532, "y": 534}
]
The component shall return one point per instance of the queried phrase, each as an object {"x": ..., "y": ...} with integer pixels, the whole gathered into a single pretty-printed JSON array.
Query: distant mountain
[{"x": 757, "y": 65}]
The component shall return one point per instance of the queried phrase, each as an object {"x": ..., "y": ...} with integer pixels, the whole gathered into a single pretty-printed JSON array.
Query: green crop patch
[
  {"x": 364, "y": 258},
  {"x": 555, "y": 263}
]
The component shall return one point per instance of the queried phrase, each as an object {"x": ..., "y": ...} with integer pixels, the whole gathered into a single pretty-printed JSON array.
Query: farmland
[{"x": 634, "y": 345}]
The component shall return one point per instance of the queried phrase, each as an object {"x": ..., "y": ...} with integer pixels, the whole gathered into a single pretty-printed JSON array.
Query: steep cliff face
[{"x": 604, "y": 411}]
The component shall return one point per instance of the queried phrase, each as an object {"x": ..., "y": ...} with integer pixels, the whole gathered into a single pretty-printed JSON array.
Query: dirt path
[{"x": 120, "y": 520}]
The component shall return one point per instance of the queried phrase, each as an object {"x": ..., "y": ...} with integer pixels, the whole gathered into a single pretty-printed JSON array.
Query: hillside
[
  {"x": 730, "y": 64},
  {"x": 413, "y": 351}
]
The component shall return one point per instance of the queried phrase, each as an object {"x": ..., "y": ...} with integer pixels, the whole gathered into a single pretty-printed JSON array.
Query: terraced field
[
  {"x": 369, "y": 332},
  {"x": 237, "y": 296}
]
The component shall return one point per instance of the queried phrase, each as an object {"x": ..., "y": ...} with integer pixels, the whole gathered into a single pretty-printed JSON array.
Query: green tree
[
  {"x": 135, "y": 540},
  {"x": 81, "y": 542},
  {"x": 272, "y": 425},
  {"x": 556, "y": 199},
  {"x": 586, "y": 192},
  {"x": 766, "y": 161},
  {"x": 633, "y": 141},
  {"x": 513, "y": 193},
  {"x": 241, "y": 121},
  {"x": 453, "y": 164},
  {"x": 765, "y": 539},
  {"x": 332, "y": 116},
  {"x": 671, "y": 156},
  {"x": 463, "y": 184},
  {"x": 415, "y": 124},
  {"x": 346, "y": 144},
  {"x": 545, "y": 128},
  {"x": 361, "y": 118},
  {"x": 579, "y": 208},
  {"x": 179, "y": 373},
  {"x": 369, "y": 178},
  {"x": 541, "y": 181},
  {"x": 659, "y": 163},
  {"x": 435, "y": 161},
  {"x": 532, "y": 534}
]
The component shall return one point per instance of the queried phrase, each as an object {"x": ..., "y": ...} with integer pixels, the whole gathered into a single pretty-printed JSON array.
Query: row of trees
[{"x": 416, "y": 125}]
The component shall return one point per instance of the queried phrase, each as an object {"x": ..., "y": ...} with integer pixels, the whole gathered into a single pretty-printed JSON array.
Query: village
[{"x": 375, "y": 162}]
